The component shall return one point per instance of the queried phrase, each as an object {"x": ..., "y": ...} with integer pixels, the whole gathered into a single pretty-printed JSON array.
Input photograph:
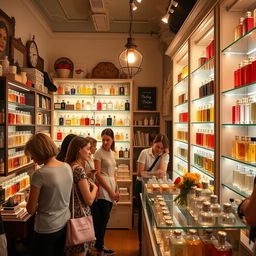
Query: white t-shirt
[
  {"x": 147, "y": 158},
  {"x": 108, "y": 165}
]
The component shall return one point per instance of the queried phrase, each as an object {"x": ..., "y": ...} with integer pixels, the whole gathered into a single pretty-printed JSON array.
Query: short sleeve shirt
[
  {"x": 55, "y": 185},
  {"x": 108, "y": 165},
  {"x": 147, "y": 158}
]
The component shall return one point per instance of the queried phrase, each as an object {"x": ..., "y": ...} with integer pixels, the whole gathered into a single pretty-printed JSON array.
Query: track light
[
  {"x": 171, "y": 10},
  {"x": 166, "y": 18},
  {"x": 134, "y": 7},
  {"x": 174, "y": 3},
  {"x": 139, "y": 1}
]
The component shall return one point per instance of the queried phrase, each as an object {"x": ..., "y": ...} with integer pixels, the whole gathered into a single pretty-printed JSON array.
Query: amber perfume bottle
[
  {"x": 222, "y": 247},
  {"x": 234, "y": 146},
  {"x": 177, "y": 244},
  {"x": 194, "y": 244},
  {"x": 208, "y": 241},
  {"x": 240, "y": 150}
]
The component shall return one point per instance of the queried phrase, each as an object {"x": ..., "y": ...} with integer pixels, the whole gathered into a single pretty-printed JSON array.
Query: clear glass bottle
[
  {"x": 215, "y": 207},
  {"x": 208, "y": 241},
  {"x": 235, "y": 176},
  {"x": 205, "y": 216},
  {"x": 194, "y": 244},
  {"x": 206, "y": 192},
  {"x": 227, "y": 218},
  {"x": 177, "y": 244},
  {"x": 198, "y": 203},
  {"x": 222, "y": 247}
]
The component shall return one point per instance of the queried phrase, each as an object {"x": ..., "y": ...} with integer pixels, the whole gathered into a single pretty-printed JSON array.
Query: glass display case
[{"x": 165, "y": 218}]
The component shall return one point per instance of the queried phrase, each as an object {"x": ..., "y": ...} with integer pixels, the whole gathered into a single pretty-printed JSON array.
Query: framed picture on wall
[
  {"x": 7, "y": 28},
  {"x": 18, "y": 52},
  {"x": 147, "y": 98}
]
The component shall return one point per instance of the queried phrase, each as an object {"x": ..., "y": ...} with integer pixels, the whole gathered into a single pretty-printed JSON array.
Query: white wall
[{"x": 88, "y": 49}]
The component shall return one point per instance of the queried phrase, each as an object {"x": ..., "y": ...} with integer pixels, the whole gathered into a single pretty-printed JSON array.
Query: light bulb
[
  {"x": 166, "y": 18},
  {"x": 131, "y": 57},
  {"x": 174, "y": 3},
  {"x": 134, "y": 7},
  {"x": 139, "y": 1}
]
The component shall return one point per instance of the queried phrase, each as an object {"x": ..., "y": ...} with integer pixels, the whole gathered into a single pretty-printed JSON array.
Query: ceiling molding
[{"x": 196, "y": 16}]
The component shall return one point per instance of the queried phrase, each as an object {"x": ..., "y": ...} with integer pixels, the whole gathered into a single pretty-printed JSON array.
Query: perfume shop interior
[{"x": 167, "y": 88}]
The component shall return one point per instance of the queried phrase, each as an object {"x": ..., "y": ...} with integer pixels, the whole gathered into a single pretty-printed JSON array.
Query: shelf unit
[
  {"x": 217, "y": 22},
  {"x": 144, "y": 132},
  {"x": 13, "y": 129},
  {"x": 121, "y": 215}
]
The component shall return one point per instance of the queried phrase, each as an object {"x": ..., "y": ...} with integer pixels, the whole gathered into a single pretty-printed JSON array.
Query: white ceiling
[{"x": 75, "y": 15}]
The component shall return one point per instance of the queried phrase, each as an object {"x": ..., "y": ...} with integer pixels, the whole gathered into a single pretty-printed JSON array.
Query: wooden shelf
[
  {"x": 23, "y": 167},
  {"x": 43, "y": 125},
  {"x": 145, "y": 111},
  {"x": 43, "y": 109},
  {"x": 21, "y": 124},
  {"x": 149, "y": 126}
]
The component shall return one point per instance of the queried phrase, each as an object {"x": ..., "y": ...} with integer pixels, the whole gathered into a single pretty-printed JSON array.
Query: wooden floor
[{"x": 124, "y": 242}]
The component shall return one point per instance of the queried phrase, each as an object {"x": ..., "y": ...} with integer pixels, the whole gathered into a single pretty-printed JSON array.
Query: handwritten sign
[{"x": 147, "y": 98}]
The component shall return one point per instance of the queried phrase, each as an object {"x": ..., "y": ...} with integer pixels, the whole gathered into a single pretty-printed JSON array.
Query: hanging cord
[{"x": 130, "y": 19}]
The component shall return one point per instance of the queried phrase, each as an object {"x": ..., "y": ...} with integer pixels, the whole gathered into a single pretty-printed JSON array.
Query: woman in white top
[
  {"x": 154, "y": 159},
  {"x": 105, "y": 164}
]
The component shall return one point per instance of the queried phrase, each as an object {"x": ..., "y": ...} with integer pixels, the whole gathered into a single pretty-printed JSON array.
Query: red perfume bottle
[
  {"x": 59, "y": 135},
  {"x": 239, "y": 28},
  {"x": 99, "y": 105},
  {"x": 248, "y": 23}
]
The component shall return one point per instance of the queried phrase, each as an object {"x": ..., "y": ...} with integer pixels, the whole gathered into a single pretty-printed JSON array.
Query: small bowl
[{"x": 63, "y": 72}]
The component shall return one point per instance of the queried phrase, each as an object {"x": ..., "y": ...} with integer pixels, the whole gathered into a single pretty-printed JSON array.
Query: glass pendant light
[{"x": 130, "y": 59}]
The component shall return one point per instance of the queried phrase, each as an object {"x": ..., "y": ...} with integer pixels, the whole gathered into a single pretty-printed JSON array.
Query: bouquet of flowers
[{"x": 185, "y": 183}]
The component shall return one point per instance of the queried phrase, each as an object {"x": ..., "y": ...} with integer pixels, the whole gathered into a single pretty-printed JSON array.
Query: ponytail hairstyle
[
  {"x": 109, "y": 132},
  {"x": 162, "y": 138}
]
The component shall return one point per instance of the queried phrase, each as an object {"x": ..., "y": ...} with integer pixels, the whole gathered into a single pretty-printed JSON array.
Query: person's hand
[
  {"x": 159, "y": 173},
  {"x": 165, "y": 152},
  {"x": 93, "y": 185},
  {"x": 115, "y": 196}
]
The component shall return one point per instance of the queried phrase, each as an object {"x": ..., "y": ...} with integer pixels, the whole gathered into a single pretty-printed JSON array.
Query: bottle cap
[
  {"x": 241, "y": 19},
  {"x": 192, "y": 231},
  {"x": 227, "y": 207},
  {"x": 253, "y": 139},
  {"x": 213, "y": 199},
  {"x": 206, "y": 206},
  {"x": 208, "y": 231},
  {"x": 205, "y": 185},
  {"x": 222, "y": 236},
  {"x": 248, "y": 14},
  {"x": 177, "y": 232},
  {"x": 231, "y": 200}
]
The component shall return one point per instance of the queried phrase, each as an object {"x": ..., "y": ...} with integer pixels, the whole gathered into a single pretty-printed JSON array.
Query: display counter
[{"x": 163, "y": 218}]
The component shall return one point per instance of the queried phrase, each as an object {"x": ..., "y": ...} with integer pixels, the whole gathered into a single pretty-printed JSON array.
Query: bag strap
[
  {"x": 154, "y": 163},
  {"x": 79, "y": 202}
]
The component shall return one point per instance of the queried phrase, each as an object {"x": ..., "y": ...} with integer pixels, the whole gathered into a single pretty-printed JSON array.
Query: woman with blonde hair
[
  {"x": 84, "y": 189},
  {"x": 49, "y": 196}
]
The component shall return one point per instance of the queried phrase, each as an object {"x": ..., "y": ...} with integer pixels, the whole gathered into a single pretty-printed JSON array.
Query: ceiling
[{"x": 76, "y": 15}]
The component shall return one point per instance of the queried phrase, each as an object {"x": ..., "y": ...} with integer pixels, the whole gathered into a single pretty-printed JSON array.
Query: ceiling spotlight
[
  {"x": 174, "y": 3},
  {"x": 139, "y": 1},
  {"x": 134, "y": 7},
  {"x": 166, "y": 18},
  {"x": 171, "y": 10}
]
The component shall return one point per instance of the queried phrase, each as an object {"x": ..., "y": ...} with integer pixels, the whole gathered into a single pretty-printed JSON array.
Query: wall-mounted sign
[{"x": 147, "y": 98}]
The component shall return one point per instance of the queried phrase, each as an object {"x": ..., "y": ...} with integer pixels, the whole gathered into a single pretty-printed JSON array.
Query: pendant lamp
[{"x": 130, "y": 59}]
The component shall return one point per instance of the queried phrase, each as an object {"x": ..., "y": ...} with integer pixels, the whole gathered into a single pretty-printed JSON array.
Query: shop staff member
[
  {"x": 155, "y": 160},
  {"x": 49, "y": 196},
  {"x": 105, "y": 164},
  {"x": 247, "y": 209}
]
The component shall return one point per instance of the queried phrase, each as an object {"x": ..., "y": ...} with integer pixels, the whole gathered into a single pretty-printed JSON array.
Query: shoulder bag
[{"x": 79, "y": 230}]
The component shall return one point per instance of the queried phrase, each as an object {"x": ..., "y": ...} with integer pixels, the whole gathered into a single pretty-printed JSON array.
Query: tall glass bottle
[
  {"x": 208, "y": 241},
  {"x": 205, "y": 217},
  {"x": 206, "y": 192},
  {"x": 227, "y": 218},
  {"x": 194, "y": 244},
  {"x": 240, "y": 152},
  {"x": 215, "y": 207},
  {"x": 222, "y": 247},
  {"x": 177, "y": 244},
  {"x": 198, "y": 202}
]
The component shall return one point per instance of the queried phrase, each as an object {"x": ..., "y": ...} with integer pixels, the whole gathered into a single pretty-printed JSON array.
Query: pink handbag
[{"x": 79, "y": 230}]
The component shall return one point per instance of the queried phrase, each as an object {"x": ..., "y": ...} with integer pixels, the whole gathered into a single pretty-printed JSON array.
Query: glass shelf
[
  {"x": 202, "y": 66},
  {"x": 181, "y": 123},
  {"x": 81, "y": 111},
  {"x": 16, "y": 104},
  {"x": 246, "y": 44},
  {"x": 202, "y": 170},
  {"x": 202, "y": 122},
  {"x": 181, "y": 158},
  {"x": 89, "y": 96},
  {"x": 238, "y": 161},
  {"x": 181, "y": 217},
  {"x": 235, "y": 190},
  {"x": 92, "y": 126},
  {"x": 205, "y": 98},
  {"x": 247, "y": 89},
  {"x": 178, "y": 173},
  {"x": 20, "y": 146},
  {"x": 182, "y": 104},
  {"x": 181, "y": 141},
  {"x": 239, "y": 125},
  {"x": 209, "y": 149},
  {"x": 181, "y": 81}
]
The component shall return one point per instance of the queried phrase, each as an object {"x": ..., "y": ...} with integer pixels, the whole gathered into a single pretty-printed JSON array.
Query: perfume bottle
[
  {"x": 97, "y": 121},
  {"x": 112, "y": 90},
  {"x": 234, "y": 146},
  {"x": 127, "y": 121},
  {"x": 248, "y": 23},
  {"x": 194, "y": 244},
  {"x": 222, "y": 247},
  {"x": 73, "y": 90},
  {"x": 73, "y": 120},
  {"x": 92, "y": 121},
  {"x": 61, "y": 120},
  {"x": 241, "y": 149},
  {"x": 78, "y": 105},
  {"x": 59, "y": 135},
  {"x": 126, "y": 153},
  {"x": 121, "y": 153},
  {"x": 110, "y": 106},
  {"x": 87, "y": 120},
  {"x": 57, "y": 105},
  {"x": 82, "y": 121},
  {"x": 177, "y": 244},
  {"x": 198, "y": 202},
  {"x": 82, "y": 105},
  {"x": 215, "y": 207},
  {"x": 127, "y": 105},
  {"x": 205, "y": 216},
  {"x": 99, "y": 105},
  {"x": 190, "y": 199},
  {"x": 63, "y": 104},
  {"x": 239, "y": 29},
  {"x": 206, "y": 192},
  {"x": 121, "y": 90},
  {"x": 227, "y": 218},
  {"x": 109, "y": 121},
  {"x": 60, "y": 90},
  {"x": 68, "y": 121},
  {"x": 241, "y": 178},
  {"x": 104, "y": 105},
  {"x": 208, "y": 241}
]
